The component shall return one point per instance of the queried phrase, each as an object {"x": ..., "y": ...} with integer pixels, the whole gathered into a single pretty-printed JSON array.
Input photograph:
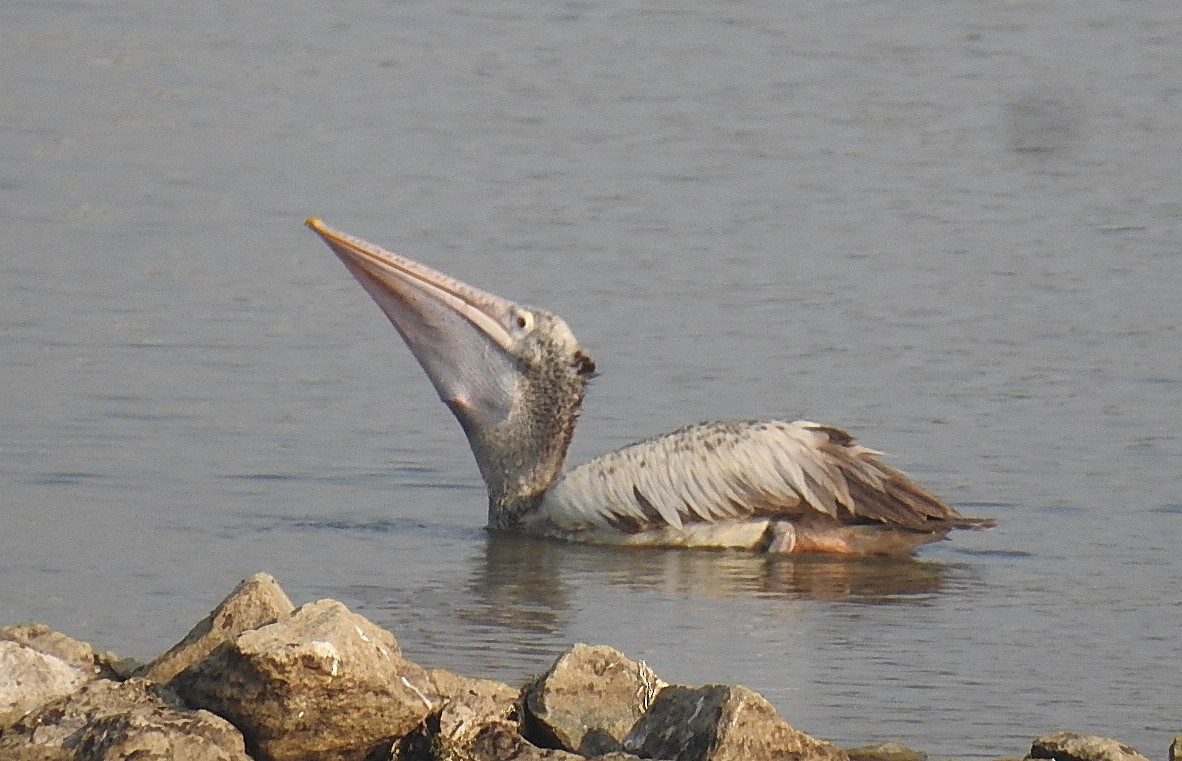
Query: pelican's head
[{"x": 514, "y": 376}]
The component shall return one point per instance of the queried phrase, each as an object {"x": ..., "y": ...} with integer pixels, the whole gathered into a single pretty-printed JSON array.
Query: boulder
[
  {"x": 107, "y": 720},
  {"x": 449, "y": 686},
  {"x": 78, "y": 654},
  {"x": 255, "y": 602},
  {"x": 160, "y": 733},
  {"x": 1069, "y": 746},
  {"x": 463, "y": 728},
  {"x": 322, "y": 683},
  {"x": 721, "y": 723},
  {"x": 467, "y": 709},
  {"x": 494, "y": 741},
  {"x": 588, "y": 700},
  {"x": 29, "y": 679},
  {"x": 885, "y": 751},
  {"x": 477, "y": 720}
]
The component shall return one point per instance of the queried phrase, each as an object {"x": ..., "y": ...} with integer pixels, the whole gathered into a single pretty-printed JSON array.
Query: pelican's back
[{"x": 711, "y": 476}]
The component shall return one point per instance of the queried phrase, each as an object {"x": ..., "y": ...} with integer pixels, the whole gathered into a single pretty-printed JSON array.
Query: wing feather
[{"x": 718, "y": 472}]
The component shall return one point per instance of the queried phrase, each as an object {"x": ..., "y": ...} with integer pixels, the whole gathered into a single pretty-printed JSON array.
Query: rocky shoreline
[{"x": 261, "y": 679}]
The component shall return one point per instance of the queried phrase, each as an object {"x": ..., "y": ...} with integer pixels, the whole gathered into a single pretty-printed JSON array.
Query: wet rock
[
  {"x": 323, "y": 683},
  {"x": 108, "y": 720},
  {"x": 588, "y": 700},
  {"x": 1069, "y": 746},
  {"x": 885, "y": 751},
  {"x": 29, "y": 679},
  {"x": 721, "y": 723},
  {"x": 255, "y": 602}
]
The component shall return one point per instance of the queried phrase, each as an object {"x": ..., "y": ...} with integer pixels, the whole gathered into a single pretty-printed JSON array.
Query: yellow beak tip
[{"x": 315, "y": 223}]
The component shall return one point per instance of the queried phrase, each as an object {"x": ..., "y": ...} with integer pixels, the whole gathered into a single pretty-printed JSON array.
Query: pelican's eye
[{"x": 523, "y": 322}]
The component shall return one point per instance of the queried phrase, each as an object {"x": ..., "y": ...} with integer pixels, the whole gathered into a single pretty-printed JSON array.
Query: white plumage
[{"x": 673, "y": 489}]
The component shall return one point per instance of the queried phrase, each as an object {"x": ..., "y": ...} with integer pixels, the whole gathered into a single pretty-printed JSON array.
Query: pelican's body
[{"x": 514, "y": 377}]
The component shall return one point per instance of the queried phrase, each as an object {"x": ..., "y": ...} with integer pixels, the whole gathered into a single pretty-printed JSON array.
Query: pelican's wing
[{"x": 717, "y": 472}]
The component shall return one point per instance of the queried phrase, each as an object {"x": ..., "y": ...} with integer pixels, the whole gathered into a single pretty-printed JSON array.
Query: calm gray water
[{"x": 954, "y": 229}]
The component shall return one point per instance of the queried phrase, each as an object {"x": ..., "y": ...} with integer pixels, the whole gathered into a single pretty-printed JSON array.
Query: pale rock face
[
  {"x": 256, "y": 601},
  {"x": 118, "y": 720},
  {"x": 29, "y": 679},
  {"x": 722, "y": 723},
  {"x": 323, "y": 682},
  {"x": 588, "y": 700},
  {"x": 1069, "y": 745}
]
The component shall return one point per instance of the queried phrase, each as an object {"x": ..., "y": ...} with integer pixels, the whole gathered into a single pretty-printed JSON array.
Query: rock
[
  {"x": 721, "y": 723},
  {"x": 451, "y": 686},
  {"x": 457, "y": 733},
  {"x": 467, "y": 728},
  {"x": 468, "y": 709},
  {"x": 323, "y": 683},
  {"x": 78, "y": 654},
  {"x": 588, "y": 700},
  {"x": 1068, "y": 746},
  {"x": 108, "y": 720},
  {"x": 255, "y": 602},
  {"x": 499, "y": 742},
  {"x": 885, "y": 751},
  {"x": 158, "y": 733},
  {"x": 29, "y": 679},
  {"x": 1176, "y": 749},
  {"x": 477, "y": 721}
]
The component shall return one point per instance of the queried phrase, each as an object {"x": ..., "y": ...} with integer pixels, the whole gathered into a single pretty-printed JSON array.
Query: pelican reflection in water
[{"x": 514, "y": 376}]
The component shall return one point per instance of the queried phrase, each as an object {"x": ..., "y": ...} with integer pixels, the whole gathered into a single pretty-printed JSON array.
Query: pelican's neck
[{"x": 521, "y": 457}]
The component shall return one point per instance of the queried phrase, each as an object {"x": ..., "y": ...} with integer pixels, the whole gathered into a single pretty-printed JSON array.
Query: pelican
[{"x": 514, "y": 376}]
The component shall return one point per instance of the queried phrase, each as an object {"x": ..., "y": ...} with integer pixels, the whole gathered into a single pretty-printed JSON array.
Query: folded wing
[{"x": 720, "y": 472}]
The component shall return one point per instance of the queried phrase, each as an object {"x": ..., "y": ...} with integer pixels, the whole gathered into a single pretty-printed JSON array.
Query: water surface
[{"x": 952, "y": 229}]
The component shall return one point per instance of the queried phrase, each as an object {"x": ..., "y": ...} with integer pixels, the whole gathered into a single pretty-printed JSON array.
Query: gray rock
[
  {"x": 462, "y": 734},
  {"x": 323, "y": 683},
  {"x": 885, "y": 751},
  {"x": 467, "y": 728},
  {"x": 160, "y": 733},
  {"x": 721, "y": 723},
  {"x": 449, "y": 686},
  {"x": 588, "y": 700},
  {"x": 499, "y": 742},
  {"x": 29, "y": 679},
  {"x": 477, "y": 721},
  {"x": 1069, "y": 746},
  {"x": 255, "y": 602},
  {"x": 78, "y": 654},
  {"x": 41, "y": 638},
  {"x": 118, "y": 720},
  {"x": 468, "y": 709}
]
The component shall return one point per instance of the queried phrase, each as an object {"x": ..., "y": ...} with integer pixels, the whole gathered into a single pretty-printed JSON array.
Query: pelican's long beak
[{"x": 459, "y": 334}]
